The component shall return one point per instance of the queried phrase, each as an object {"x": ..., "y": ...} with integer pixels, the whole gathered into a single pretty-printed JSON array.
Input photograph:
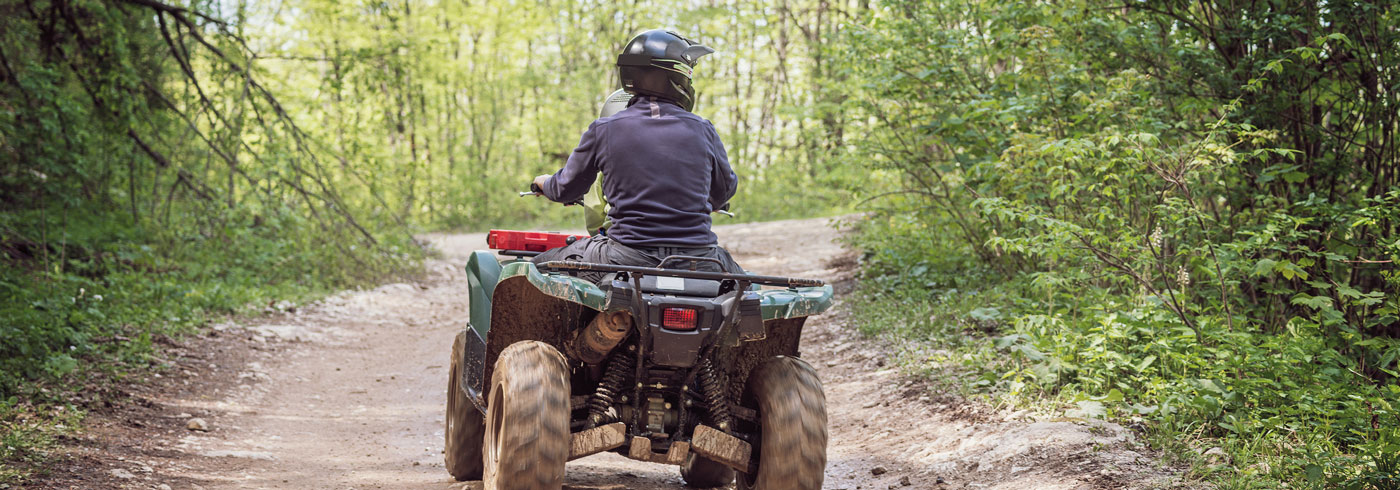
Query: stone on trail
[
  {"x": 123, "y": 474},
  {"x": 1216, "y": 456},
  {"x": 197, "y": 424}
]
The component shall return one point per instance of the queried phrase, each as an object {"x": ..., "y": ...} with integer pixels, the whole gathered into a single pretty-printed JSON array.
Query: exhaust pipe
[{"x": 593, "y": 343}]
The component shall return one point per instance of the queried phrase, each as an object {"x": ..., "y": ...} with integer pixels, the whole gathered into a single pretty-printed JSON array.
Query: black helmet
[{"x": 659, "y": 63}]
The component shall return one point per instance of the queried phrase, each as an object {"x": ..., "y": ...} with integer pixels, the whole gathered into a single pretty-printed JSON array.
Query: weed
[{"x": 1284, "y": 407}]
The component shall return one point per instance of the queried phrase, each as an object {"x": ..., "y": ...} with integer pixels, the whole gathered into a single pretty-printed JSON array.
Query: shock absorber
[
  {"x": 713, "y": 391},
  {"x": 611, "y": 384}
]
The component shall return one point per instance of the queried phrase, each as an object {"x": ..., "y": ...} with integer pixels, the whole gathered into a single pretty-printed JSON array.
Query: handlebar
[{"x": 537, "y": 191}]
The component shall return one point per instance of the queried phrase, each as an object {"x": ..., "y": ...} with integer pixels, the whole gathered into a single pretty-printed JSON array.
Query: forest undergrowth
[
  {"x": 91, "y": 312},
  {"x": 1177, "y": 215}
]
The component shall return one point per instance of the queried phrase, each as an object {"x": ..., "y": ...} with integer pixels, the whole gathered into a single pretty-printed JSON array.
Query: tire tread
[
  {"x": 464, "y": 426},
  {"x": 792, "y": 411},
  {"x": 535, "y": 440}
]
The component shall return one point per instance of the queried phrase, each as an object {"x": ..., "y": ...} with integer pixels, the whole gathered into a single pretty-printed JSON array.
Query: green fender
[{"x": 483, "y": 272}]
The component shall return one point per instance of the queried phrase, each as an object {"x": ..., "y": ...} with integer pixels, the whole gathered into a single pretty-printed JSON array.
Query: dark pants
[{"x": 599, "y": 249}]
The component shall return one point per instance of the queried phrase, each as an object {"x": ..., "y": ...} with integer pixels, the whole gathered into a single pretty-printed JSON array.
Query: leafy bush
[
  {"x": 104, "y": 286},
  {"x": 148, "y": 184},
  {"x": 1154, "y": 211}
]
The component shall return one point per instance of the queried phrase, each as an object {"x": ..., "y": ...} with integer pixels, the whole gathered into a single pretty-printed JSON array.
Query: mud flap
[{"x": 474, "y": 368}]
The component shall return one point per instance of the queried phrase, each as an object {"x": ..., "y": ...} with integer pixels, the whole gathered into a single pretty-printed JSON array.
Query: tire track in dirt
[{"x": 349, "y": 392}]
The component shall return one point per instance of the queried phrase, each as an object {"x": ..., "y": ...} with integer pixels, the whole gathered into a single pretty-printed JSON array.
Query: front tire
[
  {"x": 791, "y": 449},
  {"x": 465, "y": 424},
  {"x": 527, "y": 419}
]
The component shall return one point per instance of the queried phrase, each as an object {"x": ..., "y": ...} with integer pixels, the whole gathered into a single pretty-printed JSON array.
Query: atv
[{"x": 662, "y": 364}]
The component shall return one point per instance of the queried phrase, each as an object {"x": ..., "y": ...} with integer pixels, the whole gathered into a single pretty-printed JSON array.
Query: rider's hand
[{"x": 540, "y": 181}]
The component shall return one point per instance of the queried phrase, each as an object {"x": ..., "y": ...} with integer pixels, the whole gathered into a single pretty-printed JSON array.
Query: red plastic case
[{"x": 529, "y": 241}]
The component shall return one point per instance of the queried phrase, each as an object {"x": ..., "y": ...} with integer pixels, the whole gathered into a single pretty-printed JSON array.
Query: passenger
[{"x": 666, "y": 167}]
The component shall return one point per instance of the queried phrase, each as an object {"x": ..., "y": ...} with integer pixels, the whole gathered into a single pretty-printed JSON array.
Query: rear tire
[
  {"x": 465, "y": 424},
  {"x": 527, "y": 419},
  {"x": 700, "y": 472},
  {"x": 791, "y": 449}
]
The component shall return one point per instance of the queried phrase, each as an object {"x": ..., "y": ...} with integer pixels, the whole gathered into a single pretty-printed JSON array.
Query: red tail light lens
[{"x": 679, "y": 318}]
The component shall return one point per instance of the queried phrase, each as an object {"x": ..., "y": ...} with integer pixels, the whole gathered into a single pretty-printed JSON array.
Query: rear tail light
[{"x": 679, "y": 318}]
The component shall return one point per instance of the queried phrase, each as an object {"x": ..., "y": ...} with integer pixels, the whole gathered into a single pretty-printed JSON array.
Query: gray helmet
[{"x": 659, "y": 63}]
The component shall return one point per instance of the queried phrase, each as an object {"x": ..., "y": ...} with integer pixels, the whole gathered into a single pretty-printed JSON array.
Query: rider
[{"x": 666, "y": 167}]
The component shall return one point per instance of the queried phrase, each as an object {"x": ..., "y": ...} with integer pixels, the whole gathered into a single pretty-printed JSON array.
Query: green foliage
[
  {"x": 450, "y": 107},
  {"x": 27, "y": 432},
  {"x": 163, "y": 164},
  {"x": 1179, "y": 212},
  {"x": 108, "y": 286},
  {"x": 149, "y": 183},
  {"x": 1283, "y": 399}
]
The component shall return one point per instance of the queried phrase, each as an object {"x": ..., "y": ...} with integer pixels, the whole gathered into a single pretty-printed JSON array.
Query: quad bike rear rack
[{"x": 791, "y": 282}]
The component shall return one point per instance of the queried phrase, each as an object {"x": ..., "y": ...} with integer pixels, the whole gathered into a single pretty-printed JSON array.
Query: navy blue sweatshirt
[{"x": 666, "y": 171}]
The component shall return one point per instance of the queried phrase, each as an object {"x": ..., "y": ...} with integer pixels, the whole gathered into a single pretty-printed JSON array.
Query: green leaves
[
  {"x": 1088, "y": 409},
  {"x": 1264, "y": 266},
  {"x": 1185, "y": 229},
  {"x": 1016, "y": 345},
  {"x": 1145, "y": 363},
  {"x": 985, "y": 314},
  {"x": 1314, "y": 302}
]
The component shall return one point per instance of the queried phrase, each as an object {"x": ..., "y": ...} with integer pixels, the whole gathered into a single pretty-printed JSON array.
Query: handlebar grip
[{"x": 535, "y": 188}]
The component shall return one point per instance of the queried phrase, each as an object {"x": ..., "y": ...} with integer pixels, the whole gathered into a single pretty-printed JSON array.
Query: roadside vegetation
[
  {"x": 165, "y": 164},
  {"x": 1175, "y": 214},
  {"x": 149, "y": 184}
]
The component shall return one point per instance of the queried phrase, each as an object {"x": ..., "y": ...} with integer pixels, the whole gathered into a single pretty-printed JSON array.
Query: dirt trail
[{"x": 349, "y": 393}]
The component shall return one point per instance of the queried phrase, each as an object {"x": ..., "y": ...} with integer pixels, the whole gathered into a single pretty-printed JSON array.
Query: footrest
[
  {"x": 641, "y": 451},
  {"x": 721, "y": 447},
  {"x": 596, "y": 440}
]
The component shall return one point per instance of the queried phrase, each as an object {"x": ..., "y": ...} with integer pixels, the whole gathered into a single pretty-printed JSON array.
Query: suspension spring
[
  {"x": 602, "y": 400},
  {"x": 713, "y": 391}
]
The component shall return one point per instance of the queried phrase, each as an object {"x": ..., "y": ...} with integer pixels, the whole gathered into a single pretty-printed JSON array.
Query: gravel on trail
[{"x": 349, "y": 392}]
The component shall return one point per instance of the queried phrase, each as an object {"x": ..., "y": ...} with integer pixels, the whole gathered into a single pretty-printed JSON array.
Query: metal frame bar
[
  {"x": 792, "y": 282},
  {"x": 518, "y": 253}
]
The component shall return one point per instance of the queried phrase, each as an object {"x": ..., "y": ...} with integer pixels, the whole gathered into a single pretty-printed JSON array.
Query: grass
[
  {"x": 1285, "y": 408},
  {"x": 28, "y": 433},
  {"x": 83, "y": 309}
]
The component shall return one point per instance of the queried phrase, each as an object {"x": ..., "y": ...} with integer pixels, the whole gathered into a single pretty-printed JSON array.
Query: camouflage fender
[
  {"x": 781, "y": 304},
  {"x": 777, "y": 304}
]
